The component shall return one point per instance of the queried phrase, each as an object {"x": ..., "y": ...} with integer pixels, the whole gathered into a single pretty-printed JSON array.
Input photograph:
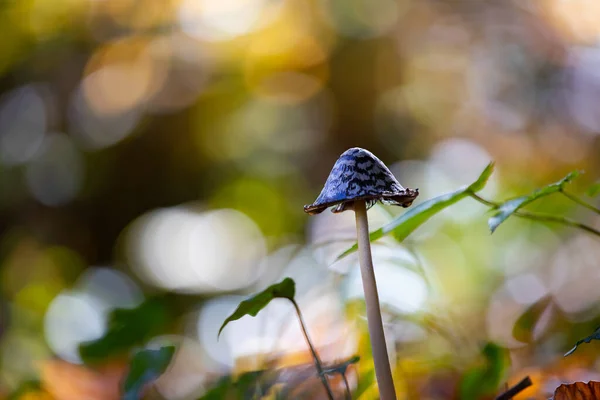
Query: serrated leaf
[
  {"x": 285, "y": 289},
  {"x": 127, "y": 327},
  {"x": 593, "y": 190},
  {"x": 146, "y": 366},
  {"x": 416, "y": 216},
  {"x": 523, "y": 328},
  {"x": 484, "y": 381},
  {"x": 593, "y": 336},
  {"x": 506, "y": 209}
]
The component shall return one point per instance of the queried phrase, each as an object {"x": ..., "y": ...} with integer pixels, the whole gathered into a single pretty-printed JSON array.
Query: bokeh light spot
[
  {"x": 220, "y": 20},
  {"x": 81, "y": 314},
  {"x": 362, "y": 18},
  {"x": 71, "y": 319},
  {"x": 22, "y": 124},
  {"x": 399, "y": 288},
  {"x": 95, "y": 131},
  {"x": 55, "y": 176},
  {"x": 185, "y": 250}
]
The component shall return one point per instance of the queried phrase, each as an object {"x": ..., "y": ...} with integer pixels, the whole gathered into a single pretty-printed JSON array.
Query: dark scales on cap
[{"x": 359, "y": 175}]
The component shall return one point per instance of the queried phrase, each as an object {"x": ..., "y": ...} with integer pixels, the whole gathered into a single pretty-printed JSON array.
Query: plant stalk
[
  {"x": 381, "y": 360},
  {"x": 580, "y": 201},
  {"x": 318, "y": 364},
  {"x": 518, "y": 388},
  {"x": 347, "y": 386},
  {"x": 539, "y": 216}
]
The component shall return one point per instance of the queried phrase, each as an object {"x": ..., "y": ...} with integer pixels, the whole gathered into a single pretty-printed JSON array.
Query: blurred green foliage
[
  {"x": 128, "y": 328},
  {"x": 525, "y": 325},
  {"x": 484, "y": 381},
  {"x": 127, "y": 126},
  {"x": 145, "y": 366}
]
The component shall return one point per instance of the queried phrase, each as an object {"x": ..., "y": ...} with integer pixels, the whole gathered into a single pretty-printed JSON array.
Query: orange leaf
[
  {"x": 578, "y": 391},
  {"x": 65, "y": 381}
]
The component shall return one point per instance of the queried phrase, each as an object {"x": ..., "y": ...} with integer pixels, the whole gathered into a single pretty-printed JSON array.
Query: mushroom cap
[{"x": 359, "y": 175}]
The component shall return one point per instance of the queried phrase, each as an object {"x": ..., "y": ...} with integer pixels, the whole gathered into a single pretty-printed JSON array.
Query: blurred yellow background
[{"x": 168, "y": 146}]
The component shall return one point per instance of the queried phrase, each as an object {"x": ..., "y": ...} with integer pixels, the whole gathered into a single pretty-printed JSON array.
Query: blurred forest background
[{"x": 164, "y": 149}]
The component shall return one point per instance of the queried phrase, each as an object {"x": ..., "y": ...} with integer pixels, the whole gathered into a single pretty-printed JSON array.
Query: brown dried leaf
[{"x": 578, "y": 391}]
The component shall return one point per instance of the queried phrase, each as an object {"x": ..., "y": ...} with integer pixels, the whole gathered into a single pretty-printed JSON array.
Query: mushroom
[{"x": 356, "y": 182}]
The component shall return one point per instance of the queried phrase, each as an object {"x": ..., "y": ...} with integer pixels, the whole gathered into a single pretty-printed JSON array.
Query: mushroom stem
[{"x": 381, "y": 360}]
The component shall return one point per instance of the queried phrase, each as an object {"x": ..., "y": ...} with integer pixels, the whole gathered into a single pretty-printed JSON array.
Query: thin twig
[
  {"x": 581, "y": 202},
  {"x": 342, "y": 369},
  {"x": 484, "y": 201},
  {"x": 347, "y": 385},
  {"x": 518, "y": 388},
  {"x": 539, "y": 216},
  {"x": 558, "y": 220},
  {"x": 318, "y": 363}
]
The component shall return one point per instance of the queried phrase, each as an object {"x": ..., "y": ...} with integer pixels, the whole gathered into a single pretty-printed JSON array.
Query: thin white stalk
[{"x": 381, "y": 360}]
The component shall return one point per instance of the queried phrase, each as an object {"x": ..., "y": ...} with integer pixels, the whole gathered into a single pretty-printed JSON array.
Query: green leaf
[
  {"x": 146, "y": 365},
  {"x": 365, "y": 382},
  {"x": 219, "y": 390},
  {"x": 593, "y": 190},
  {"x": 593, "y": 336},
  {"x": 28, "y": 387},
  {"x": 509, "y": 207},
  {"x": 408, "y": 222},
  {"x": 416, "y": 216},
  {"x": 523, "y": 329},
  {"x": 480, "y": 183},
  {"x": 483, "y": 381},
  {"x": 248, "y": 385},
  {"x": 127, "y": 327},
  {"x": 286, "y": 289}
]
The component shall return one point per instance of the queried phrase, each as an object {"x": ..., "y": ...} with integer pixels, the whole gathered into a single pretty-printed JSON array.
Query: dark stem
[
  {"x": 313, "y": 351},
  {"x": 540, "y": 217},
  {"x": 347, "y": 385},
  {"x": 581, "y": 202},
  {"x": 518, "y": 388}
]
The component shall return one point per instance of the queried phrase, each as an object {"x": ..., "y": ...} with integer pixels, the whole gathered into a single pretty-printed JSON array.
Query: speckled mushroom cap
[{"x": 359, "y": 175}]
